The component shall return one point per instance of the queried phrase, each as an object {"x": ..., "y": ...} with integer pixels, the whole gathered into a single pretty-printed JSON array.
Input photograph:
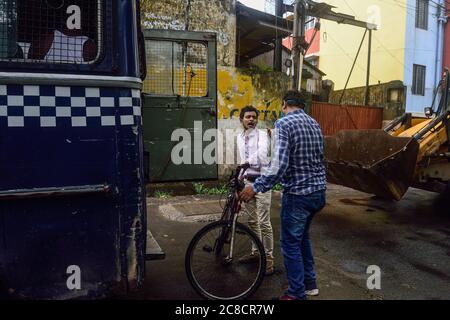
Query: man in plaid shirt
[{"x": 298, "y": 163}]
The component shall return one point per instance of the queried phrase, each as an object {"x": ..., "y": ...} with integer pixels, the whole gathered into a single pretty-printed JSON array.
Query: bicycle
[{"x": 212, "y": 258}]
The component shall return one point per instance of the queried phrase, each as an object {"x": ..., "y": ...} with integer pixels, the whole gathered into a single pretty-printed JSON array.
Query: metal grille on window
[
  {"x": 418, "y": 86},
  {"x": 50, "y": 31},
  {"x": 176, "y": 68},
  {"x": 422, "y": 14}
]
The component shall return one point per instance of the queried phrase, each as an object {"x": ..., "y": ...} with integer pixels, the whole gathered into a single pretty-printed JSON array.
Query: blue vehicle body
[{"x": 71, "y": 172}]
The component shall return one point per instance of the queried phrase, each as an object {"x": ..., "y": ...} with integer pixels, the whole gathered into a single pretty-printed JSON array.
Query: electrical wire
[
  {"x": 412, "y": 9},
  {"x": 351, "y": 59},
  {"x": 382, "y": 45}
]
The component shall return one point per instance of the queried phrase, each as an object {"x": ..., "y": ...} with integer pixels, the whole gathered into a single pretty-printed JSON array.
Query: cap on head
[{"x": 293, "y": 98}]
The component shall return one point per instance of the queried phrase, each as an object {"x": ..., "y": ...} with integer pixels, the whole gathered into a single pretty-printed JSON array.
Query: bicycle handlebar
[{"x": 234, "y": 179}]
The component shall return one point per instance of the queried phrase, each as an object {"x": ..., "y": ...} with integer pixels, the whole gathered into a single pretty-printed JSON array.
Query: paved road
[{"x": 409, "y": 242}]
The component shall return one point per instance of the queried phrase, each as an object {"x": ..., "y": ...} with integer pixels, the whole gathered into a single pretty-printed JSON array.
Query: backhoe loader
[{"x": 411, "y": 151}]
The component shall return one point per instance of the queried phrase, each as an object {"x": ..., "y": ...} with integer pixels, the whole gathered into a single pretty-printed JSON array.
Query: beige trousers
[{"x": 258, "y": 211}]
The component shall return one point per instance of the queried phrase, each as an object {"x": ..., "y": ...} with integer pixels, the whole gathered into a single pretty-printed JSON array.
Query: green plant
[
  {"x": 163, "y": 194},
  {"x": 200, "y": 188},
  {"x": 218, "y": 190},
  {"x": 278, "y": 187}
]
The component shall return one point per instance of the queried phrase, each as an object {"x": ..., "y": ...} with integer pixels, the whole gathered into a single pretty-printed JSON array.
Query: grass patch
[
  {"x": 200, "y": 188},
  {"x": 162, "y": 194}
]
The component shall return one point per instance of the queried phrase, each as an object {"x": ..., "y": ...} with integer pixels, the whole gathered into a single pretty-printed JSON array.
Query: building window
[
  {"x": 422, "y": 14},
  {"x": 51, "y": 31},
  {"x": 395, "y": 95},
  {"x": 418, "y": 85}
]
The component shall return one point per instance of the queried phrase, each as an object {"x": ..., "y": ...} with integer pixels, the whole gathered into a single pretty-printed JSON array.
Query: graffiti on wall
[{"x": 236, "y": 90}]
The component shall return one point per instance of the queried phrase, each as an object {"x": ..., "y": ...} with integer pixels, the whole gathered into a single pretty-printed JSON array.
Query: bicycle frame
[
  {"x": 229, "y": 260},
  {"x": 230, "y": 213}
]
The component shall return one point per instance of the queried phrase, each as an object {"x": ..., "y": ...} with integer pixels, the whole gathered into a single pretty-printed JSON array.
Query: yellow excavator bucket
[
  {"x": 385, "y": 162},
  {"x": 372, "y": 161}
]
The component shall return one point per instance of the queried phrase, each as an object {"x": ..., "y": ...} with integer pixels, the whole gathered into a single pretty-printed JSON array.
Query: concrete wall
[
  {"x": 236, "y": 88},
  {"x": 205, "y": 15},
  {"x": 378, "y": 97},
  {"x": 265, "y": 60}
]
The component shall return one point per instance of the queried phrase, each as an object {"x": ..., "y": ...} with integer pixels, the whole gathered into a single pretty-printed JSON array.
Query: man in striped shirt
[{"x": 298, "y": 163}]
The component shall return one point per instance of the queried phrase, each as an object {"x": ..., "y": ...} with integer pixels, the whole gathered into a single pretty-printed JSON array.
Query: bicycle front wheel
[{"x": 211, "y": 271}]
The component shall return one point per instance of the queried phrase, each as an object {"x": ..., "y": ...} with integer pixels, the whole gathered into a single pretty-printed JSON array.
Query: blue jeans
[{"x": 297, "y": 212}]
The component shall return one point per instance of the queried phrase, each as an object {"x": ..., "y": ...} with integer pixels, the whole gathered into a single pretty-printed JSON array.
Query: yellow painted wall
[
  {"x": 339, "y": 43},
  {"x": 236, "y": 90}
]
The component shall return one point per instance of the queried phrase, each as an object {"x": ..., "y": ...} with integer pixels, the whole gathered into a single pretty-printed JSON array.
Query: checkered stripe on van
[{"x": 54, "y": 106}]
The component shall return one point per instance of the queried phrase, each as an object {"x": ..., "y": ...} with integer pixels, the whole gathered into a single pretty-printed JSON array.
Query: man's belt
[{"x": 252, "y": 178}]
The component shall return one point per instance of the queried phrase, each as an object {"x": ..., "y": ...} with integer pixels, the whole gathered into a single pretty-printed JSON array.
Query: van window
[
  {"x": 50, "y": 31},
  {"x": 8, "y": 28}
]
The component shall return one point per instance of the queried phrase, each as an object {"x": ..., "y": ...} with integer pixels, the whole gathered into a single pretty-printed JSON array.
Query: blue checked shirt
[{"x": 298, "y": 158}]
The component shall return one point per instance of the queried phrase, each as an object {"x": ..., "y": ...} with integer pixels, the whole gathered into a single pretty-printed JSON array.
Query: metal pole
[
  {"x": 302, "y": 37},
  {"x": 278, "y": 54},
  {"x": 300, "y": 71},
  {"x": 297, "y": 53},
  {"x": 184, "y": 48},
  {"x": 369, "y": 54},
  {"x": 294, "y": 53},
  {"x": 353, "y": 66}
]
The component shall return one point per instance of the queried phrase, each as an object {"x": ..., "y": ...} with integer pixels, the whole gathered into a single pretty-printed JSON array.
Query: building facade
[
  {"x": 423, "y": 53},
  {"x": 407, "y": 47},
  {"x": 447, "y": 38}
]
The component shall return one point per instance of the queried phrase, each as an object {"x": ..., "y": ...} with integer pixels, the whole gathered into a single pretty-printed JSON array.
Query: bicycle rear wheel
[{"x": 214, "y": 276}]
